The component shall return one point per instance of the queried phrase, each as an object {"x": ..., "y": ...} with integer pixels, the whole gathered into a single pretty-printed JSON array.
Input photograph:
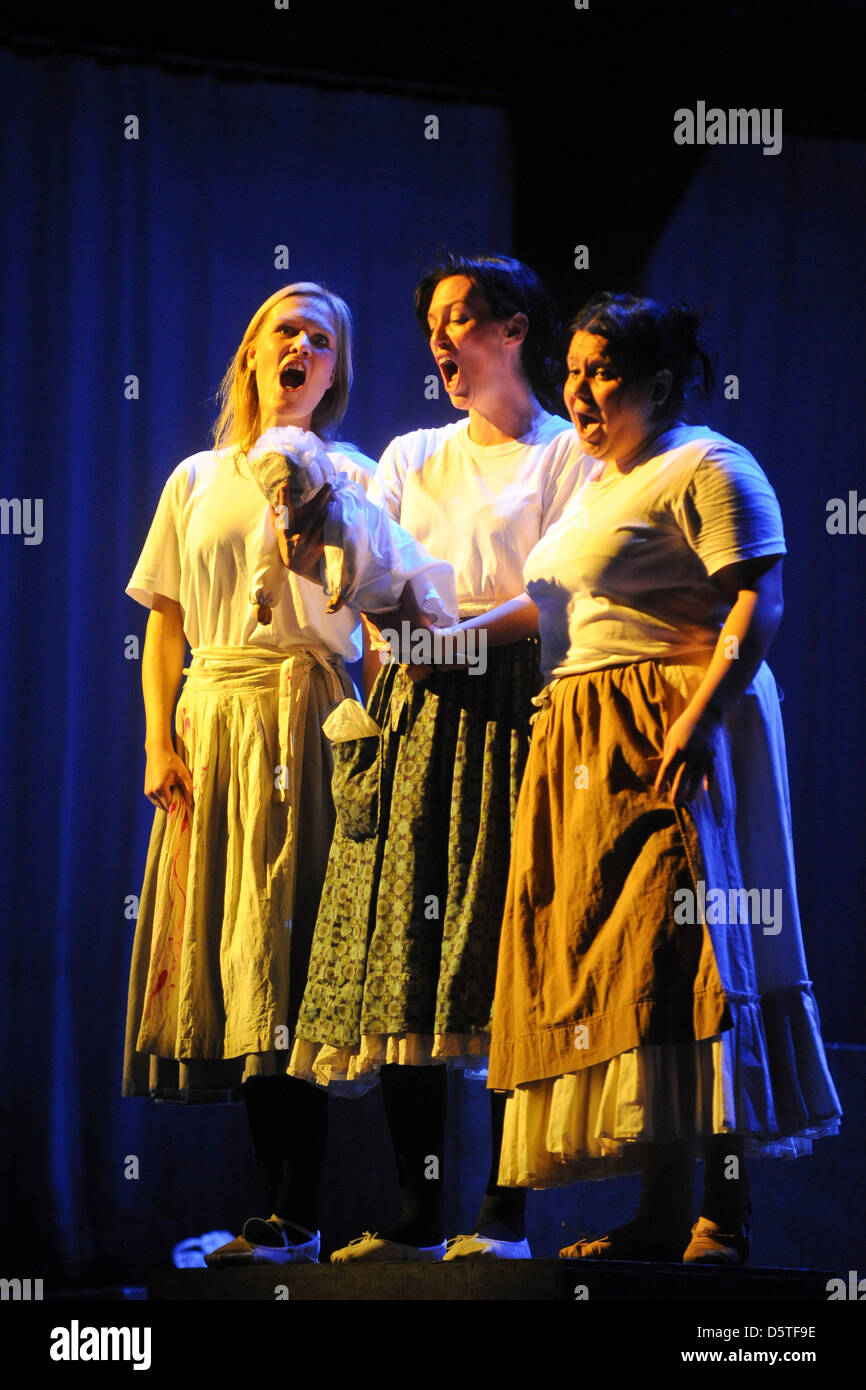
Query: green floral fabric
[{"x": 408, "y": 928}]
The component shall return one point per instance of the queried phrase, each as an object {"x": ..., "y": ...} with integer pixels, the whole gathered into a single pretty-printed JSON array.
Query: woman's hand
[
  {"x": 418, "y": 673},
  {"x": 164, "y": 774},
  {"x": 754, "y": 590},
  {"x": 300, "y": 531},
  {"x": 161, "y": 670},
  {"x": 407, "y": 611},
  {"x": 687, "y": 757},
  {"x": 410, "y": 611}
]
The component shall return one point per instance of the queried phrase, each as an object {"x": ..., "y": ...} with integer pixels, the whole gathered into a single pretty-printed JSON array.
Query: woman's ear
[
  {"x": 251, "y": 358},
  {"x": 661, "y": 387},
  {"x": 517, "y": 328}
]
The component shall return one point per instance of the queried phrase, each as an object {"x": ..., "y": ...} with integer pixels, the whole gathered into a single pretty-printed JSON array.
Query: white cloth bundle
[
  {"x": 349, "y": 721},
  {"x": 368, "y": 558}
]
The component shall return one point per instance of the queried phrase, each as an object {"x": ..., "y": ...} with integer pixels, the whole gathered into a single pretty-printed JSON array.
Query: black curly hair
[
  {"x": 509, "y": 287},
  {"x": 645, "y": 336}
]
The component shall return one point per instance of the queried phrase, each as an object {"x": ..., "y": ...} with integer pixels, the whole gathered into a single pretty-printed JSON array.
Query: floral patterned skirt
[{"x": 403, "y": 962}]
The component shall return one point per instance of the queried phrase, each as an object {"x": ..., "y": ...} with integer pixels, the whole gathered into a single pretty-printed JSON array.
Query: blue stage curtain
[
  {"x": 775, "y": 244},
  {"x": 145, "y": 257}
]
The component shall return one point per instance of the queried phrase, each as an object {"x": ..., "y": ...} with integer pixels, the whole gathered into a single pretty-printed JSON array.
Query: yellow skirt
[{"x": 231, "y": 890}]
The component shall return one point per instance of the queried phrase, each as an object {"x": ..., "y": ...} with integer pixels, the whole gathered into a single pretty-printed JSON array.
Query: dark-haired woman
[
  {"x": 404, "y": 959},
  {"x": 652, "y": 993}
]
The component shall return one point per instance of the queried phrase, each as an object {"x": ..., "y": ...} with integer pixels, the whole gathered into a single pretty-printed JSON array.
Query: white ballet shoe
[
  {"x": 486, "y": 1248},
  {"x": 373, "y": 1248}
]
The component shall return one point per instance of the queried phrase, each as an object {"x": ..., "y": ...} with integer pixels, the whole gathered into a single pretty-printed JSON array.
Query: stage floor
[{"x": 490, "y": 1280}]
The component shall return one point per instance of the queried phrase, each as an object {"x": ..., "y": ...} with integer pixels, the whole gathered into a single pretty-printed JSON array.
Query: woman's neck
[
  {"x": 509, "y": 417},
  {"x": 639, "y": 455},
  {"x": 270, "y": 420}
]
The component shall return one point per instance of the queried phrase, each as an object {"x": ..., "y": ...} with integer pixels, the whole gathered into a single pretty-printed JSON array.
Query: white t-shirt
[
  {"x": 481, "y": 507},
  {"x": 625, "y": 575},
  {"x": 204, "y": 545}
]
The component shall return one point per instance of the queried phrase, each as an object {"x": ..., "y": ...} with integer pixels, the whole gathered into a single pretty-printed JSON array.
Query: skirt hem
[
  {"x": 764, "y": 1079},
  {"x": 353, "y": 1072}
]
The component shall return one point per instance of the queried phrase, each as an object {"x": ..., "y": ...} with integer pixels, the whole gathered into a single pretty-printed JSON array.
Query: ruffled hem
[
  {"x": 586, "y": 1124},
  {"x": 349, "y": 1072}
]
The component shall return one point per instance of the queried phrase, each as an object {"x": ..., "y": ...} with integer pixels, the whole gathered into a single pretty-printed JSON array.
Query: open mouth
[
  {"x": 448, "y": 369},
  {"x": 291, "y": 378},
  {"x": 586, "y": 422}
]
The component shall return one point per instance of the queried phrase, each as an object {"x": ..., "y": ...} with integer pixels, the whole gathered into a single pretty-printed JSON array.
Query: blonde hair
[{"x": 238, "y": 398}]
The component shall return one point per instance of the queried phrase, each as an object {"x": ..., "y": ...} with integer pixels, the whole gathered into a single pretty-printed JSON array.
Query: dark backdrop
[
  {"x": 147, "y": 257},
  {"x": 772, "y": 253}
]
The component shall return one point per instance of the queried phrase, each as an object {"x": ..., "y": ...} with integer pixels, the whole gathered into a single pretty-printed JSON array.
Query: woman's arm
[
  {"x": 161, "y": 670},
  {"x": 507, "y": 622},
  {"x": 754, "y": 588}
]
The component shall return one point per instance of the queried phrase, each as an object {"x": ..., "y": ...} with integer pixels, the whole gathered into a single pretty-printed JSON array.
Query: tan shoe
[
  {"x": 266, "y": 1242},
  {"x": 710, "y": 1245},
  {"x": 629, "y": 1242},
  {"x": 235, "y": 1252}
]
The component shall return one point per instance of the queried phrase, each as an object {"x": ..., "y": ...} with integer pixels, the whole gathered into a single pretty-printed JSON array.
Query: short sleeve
[
  {"x": 728, "y": 512},
  {"x": 386, "y": 489},
  {"x": 158, "y": 570},
  {"x": 568, "y": 470}
]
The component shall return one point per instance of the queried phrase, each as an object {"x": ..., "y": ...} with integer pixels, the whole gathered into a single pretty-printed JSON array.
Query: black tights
[
  {"x": 415, "y": 1102},
  {"x": 503, "y": 1211},
  {"x": 726, "y": 1182},
  {"x": 415, "y": 1105},
  {"x": 289, "y": 1124},
  {"x": 668, "y": 1182}
]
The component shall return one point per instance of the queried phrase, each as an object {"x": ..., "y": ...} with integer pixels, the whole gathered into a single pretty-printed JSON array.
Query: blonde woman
[{"x": 244, "y": 816}]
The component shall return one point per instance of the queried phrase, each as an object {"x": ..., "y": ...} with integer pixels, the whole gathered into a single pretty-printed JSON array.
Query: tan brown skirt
[
  {"x": 619, "y": 1016},
  {"x": 591, "y": 962}
]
